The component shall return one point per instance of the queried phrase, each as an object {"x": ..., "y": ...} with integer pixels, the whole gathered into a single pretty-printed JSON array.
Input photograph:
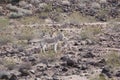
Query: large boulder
[
  {"x": 15, "y": 15},
  {"x": 22, "y": 3},
  {"x": 18, "y": 12},
  {"x": 65, "y": 2},
  {"x": 11, "y": 7},
  {"x": 4, "y": 75},
  {"x": 95, "y": 5},
  {"x": 25, "y": 12}
]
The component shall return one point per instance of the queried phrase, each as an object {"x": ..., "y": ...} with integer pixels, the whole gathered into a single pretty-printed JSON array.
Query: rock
[
  {"x": 28, "y": 6},
  {"x": 101, "y": 63},
  {"x": 11, "y": 7},
  {"x": 95, "y": 5},
  {"x": 1, "y": 10},
  {"x": 24, "y": 72},
  {"x": 32, "y": 58},
  {"x": 103, "y": 1},
  {"x": 65, "y": 2},
  {"x": 24, "y": 68},
  {"x": 117, "y": 74},
  {"x": 22, "y": 3},
  {"x": 4, "y": 75},
  {"x": 15, "y": 15},
  {"x": 89, "y": 42},
  {"x": 48, "y": 21},
  {"x": 101, "y": 17},
  {"x": 107, "y": 71},
  {"x": 83, "y": 42},
  {"x": 32, "y": 71},
  {"x": 89, "y": 55},
  {"x": 64, "y": 69},
  {"x": 41, "y": 67},
  {"x": 71, "y": 62},
  {"x": 19, "y": 12},
  {"x": 76, "y": 44},
  {"x": 13, "y": 77},
  {"x": 42, "y": 5},
  {"x": 25, "y": 12},
  {"x": 37, "y": 79},
  {"x": 35, "y": 2},
  {"x": 83, "y": 67}
]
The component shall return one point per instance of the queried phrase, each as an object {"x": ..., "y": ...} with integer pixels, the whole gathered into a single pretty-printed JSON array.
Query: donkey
[{"x": 44, "y": 43}]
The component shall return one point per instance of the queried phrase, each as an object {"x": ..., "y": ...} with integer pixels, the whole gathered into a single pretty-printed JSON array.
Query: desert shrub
[
  {"x": 113, "y": 59},
  {"x": 113, "y": 13},
  {"x": 115, "y": 27},
  {"x": 101, "y": 17},
  {"x": 25, "y": 33},
  {"x": 10, "y": 62},
  {"x": 3, "y": 23},
  {"x": 90, "y": 32},
  {"x": 48, "y": 8},
  {"x": 44, "y": 15},
  {"x": 99, "y": 77},
  {"x": 5, "y": 38}
]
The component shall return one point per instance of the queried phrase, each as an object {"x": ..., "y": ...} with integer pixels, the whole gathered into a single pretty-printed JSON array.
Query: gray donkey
[
  {"x": 45, "y": 42},
  {"x": 52, "y": 41}
]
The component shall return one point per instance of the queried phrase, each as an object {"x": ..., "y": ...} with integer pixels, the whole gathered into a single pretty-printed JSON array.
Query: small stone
[
  {"x": 71, "y": 62},
  {"x": 64, "y": 69},
  {"x": 37, "y": 79},
  {"x": 117, "y": 74},
  {"x": 32, "y": 71},
  {"x": 13, "y": 77},
  {"x": 4, "y": 75},
  {"x": 83, "y": 42},
  {"x": 89, "y": 55},
  {"x": 24, "y": 72}
]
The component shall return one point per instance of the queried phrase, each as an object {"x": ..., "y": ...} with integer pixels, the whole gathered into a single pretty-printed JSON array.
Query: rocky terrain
[
  {"x": 60, "y": 10},
  {"x": 90, "y": 52}
]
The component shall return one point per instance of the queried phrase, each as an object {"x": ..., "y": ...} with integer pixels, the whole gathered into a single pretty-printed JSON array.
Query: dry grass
[
  {"x": 99, "y": 77},
  {"x": 113, "y": 59},
  {"x": 5, "y": 38},
  {"x": 3, "y": 23},
  {"x": 31, "y": 20},
  {"x": 25, "y": 33},
  {"x": 90, "y": 32},
  {"x": 78, "y": 18},
  {"x": 10, "y": 62}
]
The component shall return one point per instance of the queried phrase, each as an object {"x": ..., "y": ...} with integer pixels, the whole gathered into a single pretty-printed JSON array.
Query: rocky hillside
[
  {"x": 86, "y": 33},
  {"x": 59, "y": 10}
]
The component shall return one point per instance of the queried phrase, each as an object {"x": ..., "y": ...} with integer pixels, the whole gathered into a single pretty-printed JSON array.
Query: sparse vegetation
[
  {"x": 31, "y": 46},
  {"x": 90, "y": 32},
  {"x": 99, "y": 77},
  {"x": 113, "y": 59},
  {"x": 10, "y": 62},
  {"x": 3, "y": 23},
  {"x": 5, "y": 38},
  {"x": 26, "y": 33}
]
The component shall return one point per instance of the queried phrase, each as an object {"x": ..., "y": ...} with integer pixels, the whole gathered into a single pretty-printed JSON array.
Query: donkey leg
[
  {"x": 55, "y": 47},
  {"x": 44, "y": 48}
]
